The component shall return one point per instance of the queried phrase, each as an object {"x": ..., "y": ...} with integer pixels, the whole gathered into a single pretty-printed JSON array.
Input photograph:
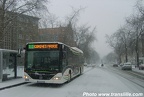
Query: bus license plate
[{"x": 40, "y": 81}]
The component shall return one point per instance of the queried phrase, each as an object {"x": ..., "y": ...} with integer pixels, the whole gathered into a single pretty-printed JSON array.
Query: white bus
[{"x": 52, "y": 62}]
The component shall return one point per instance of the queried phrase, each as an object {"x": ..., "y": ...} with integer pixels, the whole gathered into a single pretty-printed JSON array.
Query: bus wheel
[
  {"x": 80, "y": 71},
  {"x": 69, "y": 76}
]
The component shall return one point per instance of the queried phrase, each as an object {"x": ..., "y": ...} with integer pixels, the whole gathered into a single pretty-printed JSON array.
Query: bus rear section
[{"x": 49, "y": 63}]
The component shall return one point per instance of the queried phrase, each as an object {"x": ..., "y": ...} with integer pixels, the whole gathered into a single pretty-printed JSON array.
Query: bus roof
[
  {"x": 76, "y": 50},
  {"x": 44, "y": 42}
]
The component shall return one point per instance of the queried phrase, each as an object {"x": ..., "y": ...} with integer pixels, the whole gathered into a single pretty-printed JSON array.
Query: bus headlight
[
  {"x": 56, "y": 78},
  {"x": 25, "y": 77}
]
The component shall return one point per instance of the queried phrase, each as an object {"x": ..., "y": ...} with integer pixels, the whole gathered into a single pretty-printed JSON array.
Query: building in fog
[
  {"x": 60, "y": 34},
  {"x": 20, "y": 30}
]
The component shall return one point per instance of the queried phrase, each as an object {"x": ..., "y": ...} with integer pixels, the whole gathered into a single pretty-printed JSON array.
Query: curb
[{"x": 11, "y": 86}]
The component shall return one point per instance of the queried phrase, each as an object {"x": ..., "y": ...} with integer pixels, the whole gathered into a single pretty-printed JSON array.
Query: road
[{"x": 94, "y": 82}]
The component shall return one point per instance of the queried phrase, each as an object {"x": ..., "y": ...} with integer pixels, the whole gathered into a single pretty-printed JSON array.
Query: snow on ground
[
  {"x": 11, "y": 82},
  {"x": 20, "y": 73},
  {"x": 96, "y": 80}
]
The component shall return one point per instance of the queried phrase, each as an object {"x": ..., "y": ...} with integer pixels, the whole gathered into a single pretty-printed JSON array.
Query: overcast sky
[{"x": 106, "y": 15}]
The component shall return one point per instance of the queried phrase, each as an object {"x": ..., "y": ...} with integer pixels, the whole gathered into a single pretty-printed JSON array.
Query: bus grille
[{"x": 41, "y": 76}]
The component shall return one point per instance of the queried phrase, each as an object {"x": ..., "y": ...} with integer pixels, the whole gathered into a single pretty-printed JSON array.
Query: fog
[{"x": 106, "y": 15}]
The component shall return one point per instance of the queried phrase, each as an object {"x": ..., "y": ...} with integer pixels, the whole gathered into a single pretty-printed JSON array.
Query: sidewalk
[
  {"x": 137, "y": 70},
  {"x": 11, "y": 83}
]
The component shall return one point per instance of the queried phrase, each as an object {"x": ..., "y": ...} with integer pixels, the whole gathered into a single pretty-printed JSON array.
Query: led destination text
[{"x": 43, "y": 46}]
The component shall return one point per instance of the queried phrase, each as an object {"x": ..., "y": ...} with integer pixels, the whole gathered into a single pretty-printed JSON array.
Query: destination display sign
[{"x": 43, "y": 46}]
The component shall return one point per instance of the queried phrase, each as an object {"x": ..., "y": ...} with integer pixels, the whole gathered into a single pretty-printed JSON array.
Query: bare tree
[
  {"x": 81, "y": 34},
  {"x": 120, "y": 42},
  {"x": 74, "y": 15},
  {"x": 116, "y": 45},
  {"x": 84, "y": 38},
  {"x": 49, "y": 20},
  {"x": 137, "y": 24},
  {"x": 10, "y": 9},
  {"x": 130, "y": 35},
  {"x": 110, "y": 58},
  {"x": 84, "y": 35},
  {"x": 124, "y": 37}
]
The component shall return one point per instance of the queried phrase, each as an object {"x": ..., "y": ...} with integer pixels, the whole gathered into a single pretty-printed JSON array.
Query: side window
[{"x": 64, "y": 62}]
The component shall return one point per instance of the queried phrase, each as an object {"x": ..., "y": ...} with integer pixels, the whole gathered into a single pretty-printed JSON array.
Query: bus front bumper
[{"x": 56, "y": 79}]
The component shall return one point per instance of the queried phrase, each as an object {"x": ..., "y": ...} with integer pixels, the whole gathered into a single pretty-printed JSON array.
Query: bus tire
[
  {"x": 80, "y": 71},
  {"x": 69, "y": 76}
]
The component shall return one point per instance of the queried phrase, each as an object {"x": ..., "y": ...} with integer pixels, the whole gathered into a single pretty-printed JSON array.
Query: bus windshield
[{"x": 43, "y": 60}]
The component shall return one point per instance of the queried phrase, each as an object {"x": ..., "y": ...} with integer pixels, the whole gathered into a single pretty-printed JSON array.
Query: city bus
[{"x": 52, "y": 62}]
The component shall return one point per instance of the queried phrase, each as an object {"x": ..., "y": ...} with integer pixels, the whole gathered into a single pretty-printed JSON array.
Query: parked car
[
  {"x": 126, "y": 66},
  {"x": 115, "y": 65},
  {"x": 121, "y": 64},
  {"x": 141, "y": 66}
]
